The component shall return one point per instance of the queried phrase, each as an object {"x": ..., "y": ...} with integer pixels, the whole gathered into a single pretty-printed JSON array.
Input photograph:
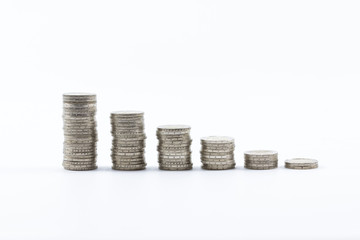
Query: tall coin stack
[
  {"x": 217, "y": 153},
  {"x": 128, "y": 140},
  {"x": 261, "y": 159},
  {"x": 174, "y": 147},
  {"x": 80, "y": 135}
]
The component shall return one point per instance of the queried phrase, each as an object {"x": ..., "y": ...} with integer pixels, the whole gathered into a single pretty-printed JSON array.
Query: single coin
[
  {"x": 261, "y": 152},
  {"x": 79, "y": 168},
  {"x": 217, "y": 139},
  {"x": 218, "y": 167},
  {"x": 128, "y": 113},
  {"x": 173, "y": 127}
]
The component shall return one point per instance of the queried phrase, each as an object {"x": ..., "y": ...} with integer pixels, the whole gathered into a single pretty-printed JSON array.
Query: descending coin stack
[
  {"x": 217, "y": 153},
  {"x": 301, "y": 163},
  {"x": 174, "y": 147},
  {"x": 261, "y": 159},
  {"x": 128, "y": 140},
  {"x": 80, "y": 135}
]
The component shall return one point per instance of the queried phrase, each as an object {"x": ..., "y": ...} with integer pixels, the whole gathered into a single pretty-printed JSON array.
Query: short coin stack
[
  {"x": 217, "y": 153},
  {"x": 174, "y": 147},
  {"x": 128, "y": 140},
  {"x": 80, "y": 135},
  {"x": 261, "y": 159},
  {"x": 301, "y": 163}
]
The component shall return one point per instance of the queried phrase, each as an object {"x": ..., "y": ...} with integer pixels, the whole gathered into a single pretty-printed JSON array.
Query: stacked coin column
[
  {"x": 301, "y": 163},
  {"x": 128, "y": 140},
  {"x": 217, "y": 153},
  {"x": 261, "y": 159},
  {"x": 80, "y": 135},
  {"x": 174, "y": 147}
]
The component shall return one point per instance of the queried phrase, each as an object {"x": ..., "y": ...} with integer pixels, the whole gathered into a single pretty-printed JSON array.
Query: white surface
[{"x": 279, "y": 75}]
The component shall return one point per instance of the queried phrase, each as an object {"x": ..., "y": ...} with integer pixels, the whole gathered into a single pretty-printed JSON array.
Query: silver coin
[
  {"x": 173, "y": 127},
  {"x": 176, "y": 168},
  {"x": 260, "y": 168},
  {"x": 217, "y": 139},
  {"x": 301, "y": 163},
  {"x": 174, "y": 162},
  {"x": 123, "y": 151},
  {"x": 165, "y": 158},
  {"x": 223, "y": 153},
  {"x": 130, "y": 154},
  {"x": 76, "y": 163},
  {"x": 173, "y": 153},
  {"x": 79, "y": 97},
  {"x": 174, "y": 150},
  {"x": 174, "y": 138},
  {"x": 128, "y": 113},
  {"x": 260, "y": 152},
  {"x": 261, "y": 161},
  {"x": 217, "y": 146},
  {"x": 79, "y": 168},
  {"x": 218, "y": 167},
  {"x": 129, "y": 167},
  {"x": 218, "y": 156},
  {"x": 115, "y": 162}
]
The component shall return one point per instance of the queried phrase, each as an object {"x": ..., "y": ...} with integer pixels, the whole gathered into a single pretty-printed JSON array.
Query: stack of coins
[
  {"x": 80, "y": 135},
  {"x": 217, "y": 153},
  {"x": 261, "y": 159},
  {"x": 174, "y": 147},
  {"x": 128, "y": 140},
  {"x": 301, "y": 163}
]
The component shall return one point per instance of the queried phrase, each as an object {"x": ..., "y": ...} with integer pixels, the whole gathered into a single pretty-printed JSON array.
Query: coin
[
  {"x": 301, "y": 163},
  {"x": 177, "y": 167},
  {"x": 128, "y": 167},
  {"x": 217, "y": 139},
  {"x": 218, "y": 167}
]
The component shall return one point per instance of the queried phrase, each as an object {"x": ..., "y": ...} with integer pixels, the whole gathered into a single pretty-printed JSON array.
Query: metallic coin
[
  {"x": 224, "y": 153},
  {"x": 261, "y": 161},
  {"x": 175, "y": 161},
  {"x": 173, "y": 127},
  {"x": 260, "y": 153},
  {"x": 218, "y": 156},
  {"x": 176, "y": 138},
  {"x": 122, "y": 150},
  {"x": 76, "y": 163},
  {"x": 128, "y": 113},
  {"x": 127, "y": 158},
  {"x": 217, "y": 139},
  {"x": 129, "y": 167},
  {"x": 79, "y": 168},
  {"x": 175, "y": 167},
  {"x": 174, "y": 149},
  {"x": 78, "y": 97},
  {"x": 128, "y": 162},
  {"x": 174, "y": 156},
  {"x": 260, "y": 167},
  {"x": 173, "y": 153},
  {"x": 301, "y": 163},
  {"x": 221, "y": 162},
  {"x": 218, "y": 146},
  {"x": 128, "y": 154},
  {"x": 218, "y": 167}
]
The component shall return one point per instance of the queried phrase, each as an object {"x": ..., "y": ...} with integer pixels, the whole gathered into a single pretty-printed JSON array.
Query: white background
[{"x": 279, "y": 75}]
